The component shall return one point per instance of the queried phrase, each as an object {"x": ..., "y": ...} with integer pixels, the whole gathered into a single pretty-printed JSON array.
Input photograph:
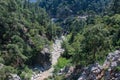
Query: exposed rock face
[
  {"x": 43, "y": 59},
  {"x": 91, "y": 72},
  {"x": 107, "y": 71},
  {"x": 45, "y": 50},
  {"x": 112, "y": 61},
  {"x": 42, "y": 63}
]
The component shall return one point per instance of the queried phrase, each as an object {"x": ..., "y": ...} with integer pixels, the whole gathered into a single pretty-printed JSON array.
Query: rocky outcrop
[
  {"x": 111, "y": 63},
  {"x": 43, "y": 59},
  {"x": 108, "y": 71}
]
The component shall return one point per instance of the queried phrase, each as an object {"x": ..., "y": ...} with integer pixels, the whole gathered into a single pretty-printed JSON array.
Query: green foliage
[
  {"x": 68, "y": 49},
  {"x": 117, "y": 69},
  {"x": 74, "y": 25},
  {"x": 62, "y": 62},
  {"x": 56, "y": 77},
  {"x": 63, "y": 9},
  {"x": 113, "y": 24},
  {"x": 94, "y": 41},
  {"x": 5, "y": 71},
  {"x": 25, "y": 29},
  {"x": 59, "y": 77},
  {"x": 116, "y": 6},
  {"x": 26, "y": 74}
]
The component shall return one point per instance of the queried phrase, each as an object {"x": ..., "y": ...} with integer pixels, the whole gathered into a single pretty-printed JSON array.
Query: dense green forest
[
  {"x": 26, "y": 27},
  {"x": 65, "y": 8}
]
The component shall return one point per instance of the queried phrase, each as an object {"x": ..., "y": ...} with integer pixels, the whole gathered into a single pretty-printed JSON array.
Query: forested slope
[
  {"x": 25, "y": 29},
  {"x": 65, "y": 8}
]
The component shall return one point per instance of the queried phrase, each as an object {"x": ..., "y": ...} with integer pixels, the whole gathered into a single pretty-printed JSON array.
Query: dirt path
[{"x": 56, "y": 52}]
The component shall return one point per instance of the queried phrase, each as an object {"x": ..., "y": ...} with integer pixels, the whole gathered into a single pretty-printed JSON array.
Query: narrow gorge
[{"x": 55, "y": 54}]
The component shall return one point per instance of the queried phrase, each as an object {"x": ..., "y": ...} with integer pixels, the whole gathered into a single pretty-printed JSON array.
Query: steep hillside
[
  {"x": 25, "y": 29},
  {"x": 65, "y": 8}
]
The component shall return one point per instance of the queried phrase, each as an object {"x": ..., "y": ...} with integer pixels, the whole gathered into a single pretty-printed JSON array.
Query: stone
[
  {"x": 82, "y": 77},
  {"x": 14, "y": 77},
  {"x": 114, "y": 64},
  {"x": 45, "y": 50},
  {"x": 1, "y": 65}
]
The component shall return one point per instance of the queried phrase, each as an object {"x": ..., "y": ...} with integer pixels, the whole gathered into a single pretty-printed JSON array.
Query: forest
[{"x": 91, "y": 29}]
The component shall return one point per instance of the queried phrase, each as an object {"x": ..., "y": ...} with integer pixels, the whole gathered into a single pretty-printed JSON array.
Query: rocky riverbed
[{"x": 55, "y": 54}]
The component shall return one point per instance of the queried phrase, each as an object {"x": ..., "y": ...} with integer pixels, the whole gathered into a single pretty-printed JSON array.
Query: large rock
[
  {"x": 14, "y": 77},
  {"x": 45, "y": 50},
  {"x": 1, "y": 65},
  {"x": 43, "y": 60}
]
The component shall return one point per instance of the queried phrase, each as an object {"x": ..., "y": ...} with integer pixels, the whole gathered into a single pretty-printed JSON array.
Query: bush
[
  {"x": 62, "y": 62},
  {"x": 26, "y": 73}
]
